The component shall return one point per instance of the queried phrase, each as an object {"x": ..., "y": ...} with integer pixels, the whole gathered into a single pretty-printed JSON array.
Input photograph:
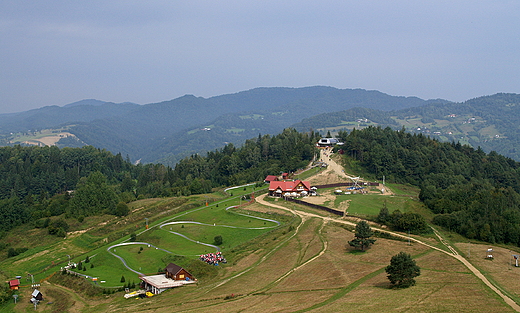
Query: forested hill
[
  {"x": 473, "y": 193},
  {"x": 192, "y": 124},
  {"x": 37, "y": 183},
  {"x": 489, "y": 122}
]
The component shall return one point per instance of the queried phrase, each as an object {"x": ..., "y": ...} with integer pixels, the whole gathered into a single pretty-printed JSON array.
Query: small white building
[{"x": 328, "y": 142}]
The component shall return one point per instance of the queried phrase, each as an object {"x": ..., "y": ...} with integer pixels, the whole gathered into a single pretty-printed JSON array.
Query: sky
[{"x": 58, "y": 52}]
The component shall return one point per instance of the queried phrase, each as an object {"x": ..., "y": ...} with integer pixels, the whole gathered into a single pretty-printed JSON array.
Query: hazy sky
[{"x": 58, "y": 52}]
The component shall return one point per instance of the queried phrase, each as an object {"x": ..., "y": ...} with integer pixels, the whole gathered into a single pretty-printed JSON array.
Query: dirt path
[
  {"x": 453, "y": 253},
  {"x": 335, "y": 173},
  {"x": 326, "y": 156}
]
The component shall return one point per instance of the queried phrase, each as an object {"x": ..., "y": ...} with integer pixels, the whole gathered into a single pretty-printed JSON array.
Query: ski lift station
[{"x": 328, "y": 142}]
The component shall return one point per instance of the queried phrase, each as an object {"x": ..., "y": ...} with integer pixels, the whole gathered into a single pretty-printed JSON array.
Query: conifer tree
[
  {"x": 362, "y": 238},
  {"x": 402, "y": 270},
  {"x": 383, "y": 215}
]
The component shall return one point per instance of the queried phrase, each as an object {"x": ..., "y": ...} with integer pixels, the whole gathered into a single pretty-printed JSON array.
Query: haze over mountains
[{"x": 170, "y": 130}]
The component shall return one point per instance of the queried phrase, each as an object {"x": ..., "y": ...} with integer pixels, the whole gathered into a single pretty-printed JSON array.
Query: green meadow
[{"x": 235, "y": 228}]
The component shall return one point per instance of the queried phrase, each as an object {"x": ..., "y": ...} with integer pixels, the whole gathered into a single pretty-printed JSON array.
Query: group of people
[{"x": 213, "y": 258}]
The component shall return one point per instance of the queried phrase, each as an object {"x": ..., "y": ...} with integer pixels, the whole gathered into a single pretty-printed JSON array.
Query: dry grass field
[{"x": 315, "y": 270}]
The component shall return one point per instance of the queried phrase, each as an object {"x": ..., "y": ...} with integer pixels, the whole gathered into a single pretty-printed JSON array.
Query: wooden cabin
[{"x": 175, "y": 272}]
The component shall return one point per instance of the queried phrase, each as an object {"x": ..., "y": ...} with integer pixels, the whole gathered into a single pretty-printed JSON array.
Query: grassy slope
[{"x": 268, "y": 265}]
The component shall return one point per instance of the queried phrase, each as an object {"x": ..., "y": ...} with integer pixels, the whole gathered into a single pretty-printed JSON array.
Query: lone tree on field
[
  {"x": 363, "y": 234},
  {"x": 402, "y": 270}
]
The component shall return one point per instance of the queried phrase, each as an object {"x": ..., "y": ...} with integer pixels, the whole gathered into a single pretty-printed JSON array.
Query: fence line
[{"x": 316, "y": 206}]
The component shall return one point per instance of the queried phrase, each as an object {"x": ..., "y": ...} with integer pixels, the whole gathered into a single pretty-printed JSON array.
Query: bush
[
  {"x": 11, "y": 252},
  {"x": 217, "y": 241},
  {"x": 121, "y": 209}
]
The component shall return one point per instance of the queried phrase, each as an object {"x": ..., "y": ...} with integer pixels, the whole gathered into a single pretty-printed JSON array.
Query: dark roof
[
  {"x": 270, "y": 178},
  {"x": 37, "y": 294},
  {"x": 173, "y": 268}
]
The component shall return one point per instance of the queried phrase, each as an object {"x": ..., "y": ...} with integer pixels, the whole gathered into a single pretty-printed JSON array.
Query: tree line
[{"x": 37, "y": 183}]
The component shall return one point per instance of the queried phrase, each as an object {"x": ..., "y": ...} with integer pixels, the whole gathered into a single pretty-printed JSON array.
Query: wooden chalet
[
  {"x": 176, "y": 272},
  {"x": 175, "y": 276},
  {"x": 296, "y": 188}
]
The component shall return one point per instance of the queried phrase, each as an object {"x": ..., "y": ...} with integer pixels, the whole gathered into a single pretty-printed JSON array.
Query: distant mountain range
[{"x": 170, "y": 130}]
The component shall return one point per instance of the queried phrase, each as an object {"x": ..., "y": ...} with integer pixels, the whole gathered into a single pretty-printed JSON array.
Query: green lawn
[
  {"x": 369, "y": 204},
  {"x": 109, "y": 269},
  {"x": 148, "y": 261}
]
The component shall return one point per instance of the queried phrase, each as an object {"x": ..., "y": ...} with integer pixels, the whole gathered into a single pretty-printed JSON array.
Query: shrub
[{"x": 217, "y": 241}]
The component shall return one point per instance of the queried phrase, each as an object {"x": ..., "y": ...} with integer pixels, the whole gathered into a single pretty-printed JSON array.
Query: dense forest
[
  {"x": 39, "y": 182},
  {"x": 473, "y": 193}
]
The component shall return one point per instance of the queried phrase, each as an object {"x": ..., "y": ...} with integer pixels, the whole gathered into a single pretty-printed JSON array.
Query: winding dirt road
[{"x": 453, "y": 253}]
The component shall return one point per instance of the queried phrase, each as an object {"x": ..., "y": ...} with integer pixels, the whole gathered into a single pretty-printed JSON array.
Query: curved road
[{"x": 186, "y": 237}]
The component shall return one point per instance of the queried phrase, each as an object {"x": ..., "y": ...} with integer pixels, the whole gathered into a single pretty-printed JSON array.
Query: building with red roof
[
  {"x": 294, "y": 188},
  {"x": 14, "y": 284},
  {"x": 270, "y": 178}
]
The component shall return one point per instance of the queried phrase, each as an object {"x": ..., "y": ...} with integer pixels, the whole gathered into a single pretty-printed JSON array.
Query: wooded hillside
[
  {"x": 40, "y": 182},
  {"x": 473, "y": 193}
]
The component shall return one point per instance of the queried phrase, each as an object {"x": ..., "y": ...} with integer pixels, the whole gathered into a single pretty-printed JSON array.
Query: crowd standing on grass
[{"x": 213, "y": 258}]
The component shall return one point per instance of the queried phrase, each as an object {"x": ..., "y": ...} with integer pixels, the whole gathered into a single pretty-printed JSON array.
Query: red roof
[
  {"x": 14, "y": 283},
  {"x": 270, "y": 178},
  {"x": 290, "y": 186}
]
